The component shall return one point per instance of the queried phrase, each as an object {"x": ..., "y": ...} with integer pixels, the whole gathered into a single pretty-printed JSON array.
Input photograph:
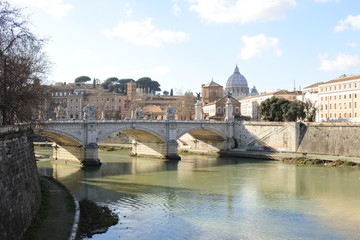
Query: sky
[{"x": 182, "y": 44}]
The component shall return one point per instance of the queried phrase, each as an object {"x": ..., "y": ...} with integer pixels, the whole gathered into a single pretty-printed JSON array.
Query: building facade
[
  {"x": 250, "y": 105},
  {"x": 339, "y": 99}
]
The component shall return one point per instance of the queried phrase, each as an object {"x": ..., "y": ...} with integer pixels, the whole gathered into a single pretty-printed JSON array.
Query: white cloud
[
  {"x": 145, "y": 33},
  {"x": 327, "y": 0},
  {"x": 128, "y": 10},
  {"x": 341, "y": 63},
  {"x": 241, "y": 11},
  {"x": 351, "y": 21},
  {"x": 352, "y": 44},
  {"x": 56, "y": 8},
  {"x": 176, "y": 9},
  {"x": 255, "y": 46}
]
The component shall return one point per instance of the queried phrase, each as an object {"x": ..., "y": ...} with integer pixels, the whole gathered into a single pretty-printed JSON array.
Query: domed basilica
[{"x": 238, "y": 86}]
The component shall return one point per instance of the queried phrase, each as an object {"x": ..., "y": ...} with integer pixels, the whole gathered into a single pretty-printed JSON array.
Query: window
[
  {"x": 355, "y": 105},
  {"x": 349, "y": 85},
  {"x": 107, "y": 100},
  {"x": 321, "y": 115},
  {"x": 339, "y": 86},
  {"x": 52, "y": 94},
  {"x": 349, "y": 114},
  {"x": 321, "y": 98},
  {"x": 113, "y": 100},
  {"x": 77, "y": 108},
  {"x": 344, "y": 96},
  {"x": 119, "y": 108},
  {"x": 237, "y": 110},
  {"x": 71, "y": 100},
  {"x": 330, "y": 97},
  {"x": 119, "y": 99},
  {"x": 219, "y": 110},
  {"x": 349, "y": 104},
  {"x": 334, "y": 115},
  {"x": 339, "y": 115},
  {"x": 113, "y": 108},
  {"x": 355, "y": 95},
  {"x": 325, "y": 98},
  {"x": 345, "y": 115},
  {"x": 334, "y": 97},
  {"x": 339, "y": 96},
  {"x": 60, "y": 94},
  {"x": 344, "y": 86},
  {"x": 355, "y": 115},
  {"x": 325, "y": 106},
  {"x": 334, "y": 105},
  {"x": 330, "y": 115},
  {"x": 56, "y": 94},
  {"x": 330, "y": 106}
]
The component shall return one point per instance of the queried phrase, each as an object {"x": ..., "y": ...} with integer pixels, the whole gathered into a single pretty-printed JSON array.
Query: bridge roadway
[{"x": 77, "y": 141}]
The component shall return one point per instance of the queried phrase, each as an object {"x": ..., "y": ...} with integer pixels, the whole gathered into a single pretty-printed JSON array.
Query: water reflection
[{"x": 204, "y": 197}]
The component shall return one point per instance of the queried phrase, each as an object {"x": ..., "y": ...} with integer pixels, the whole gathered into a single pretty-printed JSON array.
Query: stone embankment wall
[
  {"x": 277, "y": 136},
  {"x": 20, "y": 195},
  {"x": 330, "y": 138},
  {"x": 319, "y": 138}
]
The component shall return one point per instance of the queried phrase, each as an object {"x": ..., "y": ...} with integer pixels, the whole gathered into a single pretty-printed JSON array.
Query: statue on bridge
[
  {"x": 170, "y": 113},
  {"x": 61, "y": 112},
  {"x": 89, "y": 112}
]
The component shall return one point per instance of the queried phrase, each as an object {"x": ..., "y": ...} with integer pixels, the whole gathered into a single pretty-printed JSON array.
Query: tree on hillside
[
  {"x": 147, "y": 85},
  {"x": 82, "y": 79},
  {"x": 23, "y": 66}
]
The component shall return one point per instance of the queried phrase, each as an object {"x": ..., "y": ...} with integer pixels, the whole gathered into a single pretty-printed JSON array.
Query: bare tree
[
  {"x": 23, "y": 66},
  {"x": 185, "y": 106}
]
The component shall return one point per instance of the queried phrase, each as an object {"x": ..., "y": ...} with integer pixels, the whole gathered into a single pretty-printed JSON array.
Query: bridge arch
[
  {"x": 61, "y": 137},
  {"x": 202, "y": 138},
  {"x": 138, "y": 134}
]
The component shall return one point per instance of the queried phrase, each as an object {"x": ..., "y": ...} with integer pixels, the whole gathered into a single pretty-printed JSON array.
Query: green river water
[{"x": 204, "y": 197}]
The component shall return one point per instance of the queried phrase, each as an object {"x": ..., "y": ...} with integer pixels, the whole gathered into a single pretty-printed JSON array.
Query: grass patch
[
  {"x": 95, "y": 219},
  {"x": 42, "y": 214},
  {"x": 301, "y": 161}
]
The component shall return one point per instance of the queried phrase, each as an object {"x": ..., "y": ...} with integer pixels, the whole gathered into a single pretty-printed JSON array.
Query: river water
[{"x": 202, "y": 197}]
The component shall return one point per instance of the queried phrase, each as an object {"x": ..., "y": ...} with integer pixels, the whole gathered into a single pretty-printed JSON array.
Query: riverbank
[
  {"x": 283, "y": 156},
  {"x": 58, "y": 215}
]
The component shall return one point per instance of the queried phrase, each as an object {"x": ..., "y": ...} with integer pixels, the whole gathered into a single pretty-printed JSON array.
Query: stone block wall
[
  {"x": 330, "y": 138},
  {"x": 277, "y": 136},
  {"x": 20, "y": 196}
]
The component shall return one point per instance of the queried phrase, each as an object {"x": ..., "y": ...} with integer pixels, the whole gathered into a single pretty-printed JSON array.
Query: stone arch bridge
[{"x": 77, "y": 141}]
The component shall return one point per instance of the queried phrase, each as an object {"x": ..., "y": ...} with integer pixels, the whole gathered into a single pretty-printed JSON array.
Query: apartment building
[{"x": 339, "y": 99}]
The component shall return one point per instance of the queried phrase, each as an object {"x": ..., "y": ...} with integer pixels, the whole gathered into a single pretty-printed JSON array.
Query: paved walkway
[
  {"x": 282, "y": 155},
  {"x": 56, "y": 216}
]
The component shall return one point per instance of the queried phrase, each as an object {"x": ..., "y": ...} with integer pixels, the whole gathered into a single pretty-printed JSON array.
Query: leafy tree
[
  {"x": 295, "y": 111},
  {"x": 147, "y": 85},
  {"x": 281, "y": 109},
  {"x": 23, "y": 66},
  {"x": 82, "y": 79},
  {"x": 171, "y": 92},
  {"x": 165, "y": 93}
]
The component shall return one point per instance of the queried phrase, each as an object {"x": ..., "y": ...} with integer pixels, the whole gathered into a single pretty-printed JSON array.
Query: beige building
[
  {"x": 216, "y": 110},
  {"x": 250, "y": 105},
  {"x": 339, "y": 99}
]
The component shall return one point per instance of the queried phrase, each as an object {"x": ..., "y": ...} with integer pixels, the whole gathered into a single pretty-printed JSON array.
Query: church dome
[{"x": 236, "y": 79}]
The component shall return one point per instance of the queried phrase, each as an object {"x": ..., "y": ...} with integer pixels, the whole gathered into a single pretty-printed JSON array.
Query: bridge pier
[
  {"x": 86, "y": 155},
  {"x": 166, "y": 150}
]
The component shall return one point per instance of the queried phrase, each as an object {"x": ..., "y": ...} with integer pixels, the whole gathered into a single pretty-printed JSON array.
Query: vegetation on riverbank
[
  {"x": 95, "y": 219},
  {"x": 307, "y": 161},
  {"x": 56, "y": 215}
]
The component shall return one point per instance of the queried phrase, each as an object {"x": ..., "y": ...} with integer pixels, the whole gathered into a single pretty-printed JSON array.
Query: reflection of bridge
[{"x": 78, "y": 140}]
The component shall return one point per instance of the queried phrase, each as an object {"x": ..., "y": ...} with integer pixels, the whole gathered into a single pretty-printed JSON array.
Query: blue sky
[{"x": 185, "y": 43}]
